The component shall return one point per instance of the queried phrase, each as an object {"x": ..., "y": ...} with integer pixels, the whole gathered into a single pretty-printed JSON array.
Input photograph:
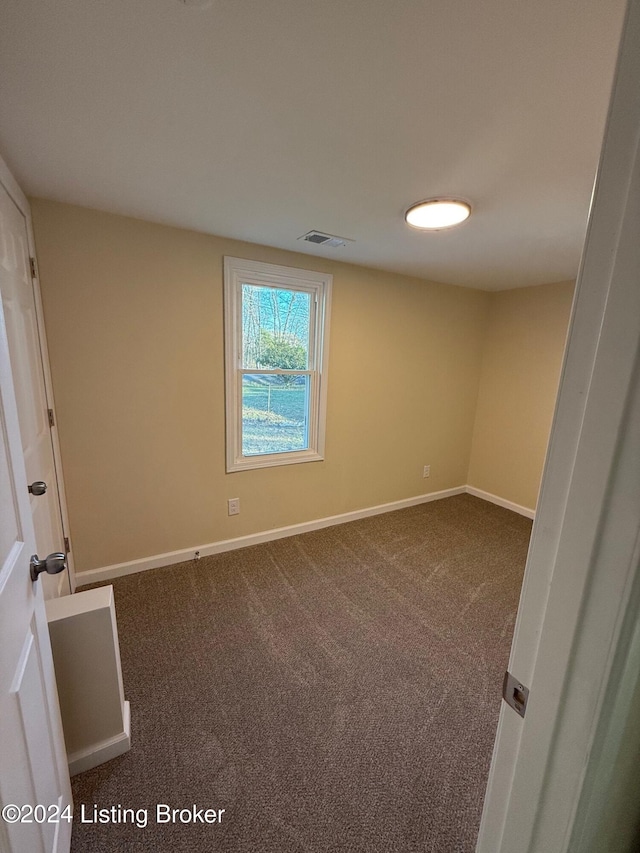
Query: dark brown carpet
[{"x": 334, "y": 691}]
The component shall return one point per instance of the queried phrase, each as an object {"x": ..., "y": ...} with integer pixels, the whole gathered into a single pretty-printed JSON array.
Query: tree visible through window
[
  {"x": 276, "y": 321},
  {"x": 275, "y": 336}
]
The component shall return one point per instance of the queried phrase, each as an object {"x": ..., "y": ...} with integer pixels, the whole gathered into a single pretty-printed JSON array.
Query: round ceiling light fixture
[{"x": 435, "y": 214}]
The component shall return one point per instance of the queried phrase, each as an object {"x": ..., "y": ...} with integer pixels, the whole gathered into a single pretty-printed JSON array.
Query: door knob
[
  {"x": 54, "y": 563},
  {"x": 37, "y": 488}
]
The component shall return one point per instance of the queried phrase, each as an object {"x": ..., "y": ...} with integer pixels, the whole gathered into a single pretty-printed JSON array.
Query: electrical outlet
[
  {"x": 234, "y": 506},
  {"x": 426, "y": 471}
]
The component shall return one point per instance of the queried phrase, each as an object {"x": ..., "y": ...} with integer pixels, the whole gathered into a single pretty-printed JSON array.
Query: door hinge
[
  {"x": 67, "y": 545},
  {"x": 34, "y": 268},
  {"x": 515, "y": 694},
  {"x": 52, "y": 420}
]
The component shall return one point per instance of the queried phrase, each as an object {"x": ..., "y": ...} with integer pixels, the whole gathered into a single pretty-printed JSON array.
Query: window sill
[{"x": 247, "y": 463}]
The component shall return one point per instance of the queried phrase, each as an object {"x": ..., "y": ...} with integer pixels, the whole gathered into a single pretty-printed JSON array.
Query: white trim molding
[
  {"x": 187, "y": 554},
  {"x": 98, "y": 753},
  {"x": 503, "y": 502}
]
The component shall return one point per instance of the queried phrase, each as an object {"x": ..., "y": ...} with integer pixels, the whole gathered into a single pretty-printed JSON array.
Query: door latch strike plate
[{"x": 515, "y": 694}]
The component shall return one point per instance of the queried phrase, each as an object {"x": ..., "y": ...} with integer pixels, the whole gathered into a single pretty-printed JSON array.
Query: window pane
[
  {"x": 275, "y": 328},
  {"x": 274, "y": 414}
]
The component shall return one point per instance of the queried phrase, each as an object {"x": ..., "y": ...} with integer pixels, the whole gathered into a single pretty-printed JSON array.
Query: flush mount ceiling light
[{"x": 437, "y": 213}]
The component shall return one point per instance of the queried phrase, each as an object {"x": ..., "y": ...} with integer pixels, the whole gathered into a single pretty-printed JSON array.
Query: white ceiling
[{"x": 264, "y": 119}]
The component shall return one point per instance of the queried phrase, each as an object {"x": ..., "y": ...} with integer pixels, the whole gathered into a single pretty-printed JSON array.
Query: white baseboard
[
  {"x": 494, "y": 499},
  {"x": 186, "y": 554},
  {"x": 103, "y": 751}
]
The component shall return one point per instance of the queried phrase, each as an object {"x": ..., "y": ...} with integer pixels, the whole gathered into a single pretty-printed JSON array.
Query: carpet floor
[{"x": 333, "y": 691}]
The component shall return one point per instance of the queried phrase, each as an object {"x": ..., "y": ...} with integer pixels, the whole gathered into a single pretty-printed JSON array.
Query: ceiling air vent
[{"x": 321, "y": 239}]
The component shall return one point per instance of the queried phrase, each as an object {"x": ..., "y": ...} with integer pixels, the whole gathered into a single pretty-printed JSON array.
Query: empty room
[{"x": 286, "y": 295}]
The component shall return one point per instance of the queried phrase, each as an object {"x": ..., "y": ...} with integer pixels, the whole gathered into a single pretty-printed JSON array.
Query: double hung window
[{"x": 276, "y": 354}]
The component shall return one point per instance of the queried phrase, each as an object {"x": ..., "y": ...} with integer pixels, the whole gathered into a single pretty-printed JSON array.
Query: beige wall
[
  {"x": 521, "y": 365},
  {"x": 134, "y": 318}
]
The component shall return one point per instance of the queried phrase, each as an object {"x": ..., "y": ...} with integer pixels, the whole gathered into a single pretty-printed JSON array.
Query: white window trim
[{"x": 236, "y": 273}]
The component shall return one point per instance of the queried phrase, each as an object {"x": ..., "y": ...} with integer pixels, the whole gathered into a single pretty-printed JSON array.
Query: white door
[
  {"x": 33, "y": 765},
  {"x": 18, "y": 299}
]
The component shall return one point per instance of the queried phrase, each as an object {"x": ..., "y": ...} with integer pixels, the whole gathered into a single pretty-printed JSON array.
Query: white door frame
[
  {"x": 574, "y": 642},
  {"x": 11, "y": 186}
]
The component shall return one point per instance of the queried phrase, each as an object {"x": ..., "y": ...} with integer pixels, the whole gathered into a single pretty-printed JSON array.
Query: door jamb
[
  {"x": 11, "y": 186},
  {"x": 572, "y": 636}
]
